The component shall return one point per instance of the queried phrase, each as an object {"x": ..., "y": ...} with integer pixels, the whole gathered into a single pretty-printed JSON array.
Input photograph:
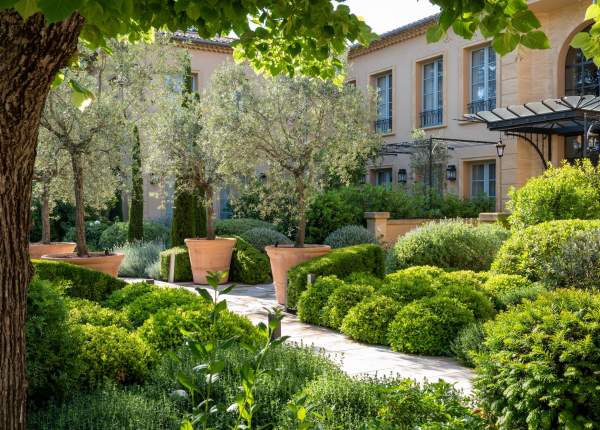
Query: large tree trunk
[
  {"x": 77, "y": 165},
  {"x": 210, "y": 213},
  {"x": 45, "y": 214},
  {"x": 30, "y": 54}
]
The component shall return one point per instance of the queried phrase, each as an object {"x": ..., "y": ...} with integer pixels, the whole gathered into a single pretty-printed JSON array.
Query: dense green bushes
[
  {"x": 248, "y": 264},
  {"x": 531, "y": 252},
  {"x": 566, "y": 192},
  {"x": 140, "y": 309},
  {"x": 341, "y": 262},
  {"x": 428, "y": 326},
  {"x": 540, "y": 365},
  {"x": 116, "y": 234},
  {"x": 82, "y": 311},
  {"x": 315, "y": 297},
  {"x": 368, "y": 321},
  {"x": 261, "y": 237},
  {"x": 183, "y": 269},
  {"x": 239, "y": 226},
  {"x": 413, "y": 283},
  {"x": 507, "y": 290},
  {"x": 349, "y": 235},
  {"x": 127, "y": 294},
  {"x": 450, "y": 244},
  {"x": 341, "y": 300},
  {"x": 139, "y": 257},
  {"x": 83, "y": 283}
]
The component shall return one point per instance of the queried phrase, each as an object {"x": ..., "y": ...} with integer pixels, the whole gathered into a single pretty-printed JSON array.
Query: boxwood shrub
[
  {"x": 113, "y": 354},
  {"x": 540, "y": 367},
  {"x": 343, "y": 299},
  {"x": 238, "y": 226},
  {"x": 505, "y": 290},
  {"x": 183, "y": 269},
  {"x": 83, "y": 283},
  {"x": 530, "y": 252},
  {"x": 452, "y": 244},
  {"x": 428, "y": 326},
  {"x": 127, "y": 294},
  {"x": 261, "y": 237},
  {"x": 82, "y": 311},
  {"x": 413, "y": 283},
  {"x": 163, "y": 329},
  {"x": 342, "y": 262},
  {"x": 248, "y": 264},
  {"x": 314, "y": 298},
  {"x": 474, "y": 300},
  {"x": 468, "y": 343},
  {"x": 147, "y": 304},
  {"x": 368, "y": 321}
]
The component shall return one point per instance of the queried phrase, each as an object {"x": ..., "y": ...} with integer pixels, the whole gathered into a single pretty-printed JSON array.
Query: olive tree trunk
[
  {"x": 31, "y": 53},
  {"x": 210, "y": 213},
  {"x": 301, "y": 196},
  {"x": 45, "y": 214},
  {"x": 77, "y": 165}
]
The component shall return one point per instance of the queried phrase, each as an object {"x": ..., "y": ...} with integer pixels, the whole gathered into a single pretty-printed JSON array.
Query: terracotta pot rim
[
  {"x": 203, "y": 239},
  {"x": 51, "y": 243},
  {"x": 292, "y": 247},
  {"x": 73, "y": 256}
]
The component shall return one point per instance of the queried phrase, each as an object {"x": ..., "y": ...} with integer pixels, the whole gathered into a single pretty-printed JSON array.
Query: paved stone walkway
[{"x": 354, "y": 357}]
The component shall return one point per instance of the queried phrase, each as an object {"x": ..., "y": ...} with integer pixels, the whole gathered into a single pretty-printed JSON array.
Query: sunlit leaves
[
  {"x": 589, "y": 43},
  {"x": 57, "y": 10},
  {"x": 26, "y": 8},
  {"x": 81, "y": 97}
]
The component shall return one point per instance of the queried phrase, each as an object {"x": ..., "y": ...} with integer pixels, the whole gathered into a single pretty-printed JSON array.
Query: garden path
[{"x": 353, "y": 357}]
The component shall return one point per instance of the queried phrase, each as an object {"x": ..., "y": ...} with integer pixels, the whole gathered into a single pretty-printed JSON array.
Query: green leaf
[
  {"x": 580, "y": 40},
  {"x": 81, "y": 97},
  {"x": 505, "y": 42},
  {"x": 592, "y": 12},
  {"x": 435, "y": 33},
  {"x": 58, "y": 79},
  {"x": 535, "y": 40},
  {"x": 7, "y": 4},
  {"x": 193, "y": 11},
  {"x": 26, "y": 8},
  {"x": 186, "y": 425},
  {"x": 58, "y": 10},
  {"x": 525, "y": 21}
]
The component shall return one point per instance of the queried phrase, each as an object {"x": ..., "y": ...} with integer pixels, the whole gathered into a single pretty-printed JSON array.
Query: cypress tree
[{"x": 136, "y": 209}]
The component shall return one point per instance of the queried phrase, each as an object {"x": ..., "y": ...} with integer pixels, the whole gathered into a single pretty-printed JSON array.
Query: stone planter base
[
  {"x": 36, "y": 250},
  {"x": 209, "y": 256},
  {"x": 284, "y": 257},
  {"x": 108, "y": 264}
]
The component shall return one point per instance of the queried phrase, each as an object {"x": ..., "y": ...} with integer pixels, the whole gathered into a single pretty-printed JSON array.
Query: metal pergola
[{"x": 537, "y": 122}]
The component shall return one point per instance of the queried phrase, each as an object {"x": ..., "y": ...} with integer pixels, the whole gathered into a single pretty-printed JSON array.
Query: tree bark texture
[
  {"x": 210, "y": 213},
  {"x": 77, "y": 165},
  {"x": 30, "y": 55},
  {"x": 45, "y": 214},
  {"x": 300, "y": 194}
]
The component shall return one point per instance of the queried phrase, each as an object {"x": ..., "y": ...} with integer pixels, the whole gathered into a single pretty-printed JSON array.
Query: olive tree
[{"x": 302, "y": 130}]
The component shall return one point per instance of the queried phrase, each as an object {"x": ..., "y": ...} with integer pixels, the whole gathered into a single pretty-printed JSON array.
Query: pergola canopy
[{"x": 566, "y": 116}]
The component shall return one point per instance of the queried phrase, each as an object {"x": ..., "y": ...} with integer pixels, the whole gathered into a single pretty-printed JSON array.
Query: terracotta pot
[
  {"x": 36, "y": 250},
  {"x": 284, "y": 257},
  {"x": 209, "y": 256},
  {"x": 108, "y": 264}
]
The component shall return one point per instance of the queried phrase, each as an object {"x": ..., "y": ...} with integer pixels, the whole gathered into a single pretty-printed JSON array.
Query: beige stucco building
[{"x": 433, "y": 86}]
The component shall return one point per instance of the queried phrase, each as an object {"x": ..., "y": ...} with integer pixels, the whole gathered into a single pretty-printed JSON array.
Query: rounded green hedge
[
  {"x": 453, "y": 244},
  {"x": 163, "y": 329},
  {"x": 428, "y": 326},
  {"x": 341, "y": 300},
  {"x": 315, "y": 297},
  {"x": 261, "y": 237},
  {"x": 349, "y": 235},
  {"x": 505, "y": 290},
  {"x": 248, "y": 264},
  {"x": 565, "y": 192},
  {"x": 82, "y": 311},
  {"x": 532, "y": 251},
  {"x": 147, "y": 304},
  {"x": 468, "y": 343},
  {"x": 116, "y": 234},
  {"x": 412, "y": 283},
  {"x": 113, "y": 354},
  {"x": 474, "y": 300},
  {"x": 126, "y": 295},
  {"x": 368, "y": 321},
  {"x": 238, "y": 226},
  {"x": 540, "y": 365},
  {"x": 183, "y": 268}
]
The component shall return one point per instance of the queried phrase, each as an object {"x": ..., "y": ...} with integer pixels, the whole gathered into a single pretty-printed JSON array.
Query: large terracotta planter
[
  {"x": 37, "y": 249},
  {"x": 284, "y": 257},
  {"x": 108, "y": 264},
  {"x": 209, "y": 256}
]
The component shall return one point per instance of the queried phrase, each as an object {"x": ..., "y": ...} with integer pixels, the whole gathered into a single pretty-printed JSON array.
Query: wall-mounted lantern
[
  {"x": 402, "y": 176},
  {"x": 451, "y": 172},
  {"x": 500, "y": 148}
]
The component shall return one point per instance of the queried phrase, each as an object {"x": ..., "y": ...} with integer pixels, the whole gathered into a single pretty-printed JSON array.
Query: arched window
[{"x": 581, "y": 75}]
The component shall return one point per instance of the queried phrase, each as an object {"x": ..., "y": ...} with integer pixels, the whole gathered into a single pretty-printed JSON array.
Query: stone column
[{"x": 377, "y": 224}]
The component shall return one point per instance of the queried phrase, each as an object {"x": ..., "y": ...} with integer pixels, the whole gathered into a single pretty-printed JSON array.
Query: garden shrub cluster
[
  {"x": 261, "y": 237},
  {"x": 349, "y": 235},
  {"x": 565, "y": 192},
  {"x": 367, "y": 258},
  {"x": 140, "y": 309},
  {"x": 534, "y": 251},
  {"x": 239, "y": 226},
  {"x": 368, "y": 321},
  {"x": 93, "y": 232},
  {"x": 183, "y": 269},
  {"x": 81, "y": 282},
  {"x": 451, "y": 244},
  {"x": 116, "y": 234},
  {"x": 139, "y": 258},
  {"x": 540, "y": 365},
  {"x": 82, "y": 311}
]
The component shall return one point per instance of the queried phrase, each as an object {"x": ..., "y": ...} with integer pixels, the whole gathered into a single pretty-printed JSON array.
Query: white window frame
[
  {"x": 437, "y": 92},
  {"x": 486, "y": 178}
]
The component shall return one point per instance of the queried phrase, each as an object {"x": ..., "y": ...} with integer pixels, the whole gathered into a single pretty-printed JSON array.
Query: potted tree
[
  {"x": 185, "y": 150},
  {"x": 302, "y": 131},
  {"x": 49, "y": 186}
]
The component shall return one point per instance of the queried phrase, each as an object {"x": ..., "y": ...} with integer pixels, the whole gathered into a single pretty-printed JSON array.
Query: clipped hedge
[
  {"x": 127, "y": 294},
  {"x": 451, "y": 244},
  {"x": 368, "y": 321},
  {"x": 238, "y": 226},
  {"x": 261, "y": 237},
  {"x": 504, "y": 290},
  {"x": 314, "y": 298},
  {"x": 540, "y": 365},
  {"x": 147, "y": 304},
  {"x": 342, "y": 300},
  {"x": 428, "y": 326},
  {"x": 183, "y": 268},
  {"x": 531, "y": 252},
  {"x": 83, "y": 283},
  {"x": 341, "y": 262},
  {"x": 411, "y": 284},
  {"x": 82, "y": 311},
  {"x": 349, "y": 235},
  {"x": 248, "y": 264}
]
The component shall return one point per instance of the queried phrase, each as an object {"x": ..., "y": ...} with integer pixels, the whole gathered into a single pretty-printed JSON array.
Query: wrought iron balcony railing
[
  {"x": 383, "y": 125},
  {"x": 481, "y": 105},
  {"x": 430, "y": 118}
]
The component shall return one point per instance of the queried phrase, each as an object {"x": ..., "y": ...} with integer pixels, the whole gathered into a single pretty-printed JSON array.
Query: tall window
[
  {"x": 383, "y": 123},
  {"x": 483, "y": 80},
  {"x": 483, "y": 179},
  {"x": 383, "y": 177},
  {"x": 195, "y": 82},
  {"x": 433, "y": 99},
  {"x": 581, "y": 75}
]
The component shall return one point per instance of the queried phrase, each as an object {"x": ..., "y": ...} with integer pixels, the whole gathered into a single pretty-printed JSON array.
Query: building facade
[{"x": 432, "y": 87}]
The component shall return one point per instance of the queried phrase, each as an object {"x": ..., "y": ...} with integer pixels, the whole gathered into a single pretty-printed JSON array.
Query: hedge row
[{"x": 342, "y": 262}]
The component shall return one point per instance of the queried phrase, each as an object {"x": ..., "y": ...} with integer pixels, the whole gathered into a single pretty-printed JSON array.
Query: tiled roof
[
  {"x": 219, "y": 43},
  {"x": 396, "y": 35}
]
